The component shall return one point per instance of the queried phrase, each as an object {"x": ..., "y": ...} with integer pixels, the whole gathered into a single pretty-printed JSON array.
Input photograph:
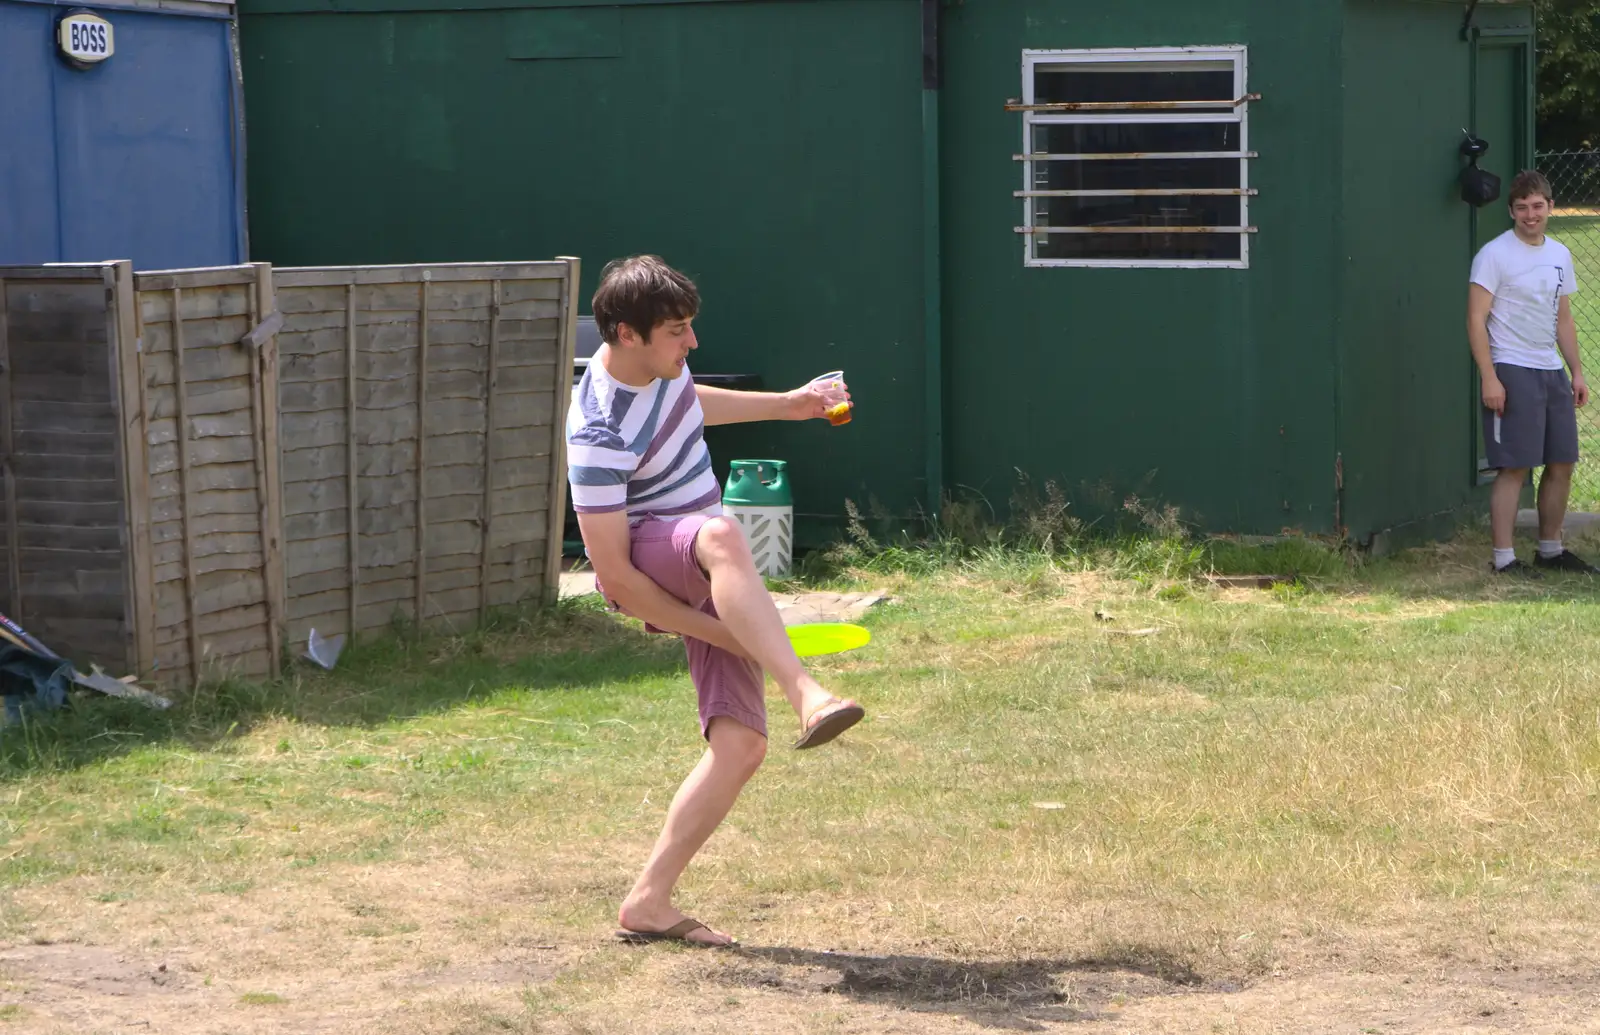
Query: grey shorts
[{"x": 1540, "y": 424}]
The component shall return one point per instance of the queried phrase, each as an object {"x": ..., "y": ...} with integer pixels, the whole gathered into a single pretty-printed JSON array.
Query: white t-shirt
[{"x": 1527, "y": 283}]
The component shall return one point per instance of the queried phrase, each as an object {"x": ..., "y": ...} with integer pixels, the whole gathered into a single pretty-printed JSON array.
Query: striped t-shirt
[{"x": 639, "y": 449}]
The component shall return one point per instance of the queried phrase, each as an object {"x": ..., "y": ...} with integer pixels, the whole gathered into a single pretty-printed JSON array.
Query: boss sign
[{"x": 86, "y": 38}]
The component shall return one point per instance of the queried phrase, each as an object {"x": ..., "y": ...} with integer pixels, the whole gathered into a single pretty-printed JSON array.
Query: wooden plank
[
  {"x": 523, "y": 529},
  {"x": 260, "y": 305},
  {"x": 164, "y": 457},
  {"x": 66, "y": 490},
  {"x": 25, "y": 442},
  {"x": 492, "y": 387},
  {"x": 86, "y": 465},
  {"x": 37, "y": 560},
  {"x": 184, "y": 493},
  {"x": 55, "y": 271},
  {"x": 529, "y": 410},
  {"x": 533, "y": 311},
  {"x": 133, "y": 402},
  {"x": 248, "y": 619},
  {"x": 7, "y": 464},
  {"x": 550, "y": 285},
  {"x": 7, "y": 471},
  {"x": 32, "y": 361},
  {"x": 272, "y": 532},
  {"x": 73, "y": 582},
  {"x": 239, "y": 502},
  {"x": 352, "y": 492},
  {"x": 227, "y": 591},
  {"x": 314, "y": 555},
  {"x": 107, "y": 606},
  {"x": 304, "y": 276},
  {"x": 55, "y": 331},
  {"x": 320, "y": 524},
  {"x": 425, "y": 324},
  {"x": 217, "y": 425},
  {"x": 81, "y": 639},
  {"x": 64, "y": 297},
  {"x": 206, "y": 398},
  {"x": 204, "y": 332},
  {"x": 315, "y": 582},
  {"x": 205, "y": 365},
  {"x": 42, "y": 414},
  {"x": 102, "y": 539},
  {"x": 211, "y": 478},
  {"x": 229, "y": 529},
  {"x": 315, "y": 497},
  {"x": 306, "y": 298},
  {"x": 85, "y": 387},
  {"x": 556, "y": 483},
  {"x": 194, "y": 279},
  {"x": 48, "y": 513},
  {"x": 170, "y": 568},
  {"x": 327, "y": 612}
]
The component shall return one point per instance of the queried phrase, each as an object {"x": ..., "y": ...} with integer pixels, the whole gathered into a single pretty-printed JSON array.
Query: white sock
[
  {"x": 1503, "y": 557},
  {"x": 1549, "y": 548}
]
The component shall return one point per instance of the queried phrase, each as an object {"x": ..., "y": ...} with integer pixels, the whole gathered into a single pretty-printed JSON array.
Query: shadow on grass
[
  {"x": 571, "y": 646},
  {"x": 1018, "y": 995}
]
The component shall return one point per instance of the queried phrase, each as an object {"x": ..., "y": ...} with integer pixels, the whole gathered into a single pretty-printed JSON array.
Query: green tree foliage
[{"x": 1569, "y": 74}]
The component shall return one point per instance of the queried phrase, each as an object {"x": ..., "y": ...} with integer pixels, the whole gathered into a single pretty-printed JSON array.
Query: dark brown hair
[
  {"x": 642, "y": 292},
  {"x": 1529, "y": 182}
]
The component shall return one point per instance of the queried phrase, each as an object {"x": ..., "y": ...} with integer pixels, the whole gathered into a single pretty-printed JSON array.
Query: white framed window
[{"x": 1137, "y": 157}]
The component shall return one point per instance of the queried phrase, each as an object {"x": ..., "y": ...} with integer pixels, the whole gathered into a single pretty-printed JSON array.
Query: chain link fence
[{"x": 1575, "y": 178}]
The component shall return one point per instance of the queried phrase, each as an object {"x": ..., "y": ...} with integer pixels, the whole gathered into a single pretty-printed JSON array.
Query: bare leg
[
  {"x": 1554, "y": 488},
  {"x": 1503, "y": 505},
  {"x": 746, "y": 607},
  {"x": 701, "y": 804}
]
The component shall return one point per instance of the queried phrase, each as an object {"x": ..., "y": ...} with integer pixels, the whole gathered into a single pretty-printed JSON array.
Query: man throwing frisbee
[
  {"x": 649, "y": 509},
  {"x": 1520, "y": 326}
]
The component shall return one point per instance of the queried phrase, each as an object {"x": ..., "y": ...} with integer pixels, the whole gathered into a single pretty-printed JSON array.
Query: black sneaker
[
  {"x": 1566, "y": 560},
  {"x": 1517, "y": 567}
]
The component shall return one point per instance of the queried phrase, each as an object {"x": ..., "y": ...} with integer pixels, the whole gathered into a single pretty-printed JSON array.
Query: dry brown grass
[{"x": 1284, "y": 811}]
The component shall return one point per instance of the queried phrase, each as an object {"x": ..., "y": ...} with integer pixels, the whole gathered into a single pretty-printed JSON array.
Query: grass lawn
[{"x": 1088, "y": 797}]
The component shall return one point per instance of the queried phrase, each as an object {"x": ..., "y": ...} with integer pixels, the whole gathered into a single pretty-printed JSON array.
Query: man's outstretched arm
[{"x": 726, "y": 406}]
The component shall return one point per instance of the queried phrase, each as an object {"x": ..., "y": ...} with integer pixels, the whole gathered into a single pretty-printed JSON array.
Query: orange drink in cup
[{"x": 833, "y": 390}]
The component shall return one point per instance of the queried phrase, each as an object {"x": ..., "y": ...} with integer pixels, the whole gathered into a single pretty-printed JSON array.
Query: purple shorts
[{"x": 727, "y": 685}]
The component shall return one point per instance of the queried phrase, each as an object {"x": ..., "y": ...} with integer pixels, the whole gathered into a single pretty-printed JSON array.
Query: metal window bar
[
  {"x": 1237, "y": 102},
  {"x": 1132, "y": 156},
  {"x": 1135, "y": 229},
  {"x": 1144, "y": 192}
]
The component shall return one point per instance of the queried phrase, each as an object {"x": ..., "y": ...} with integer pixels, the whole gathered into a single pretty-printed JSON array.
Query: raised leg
[{"x": 745, "y": 606}]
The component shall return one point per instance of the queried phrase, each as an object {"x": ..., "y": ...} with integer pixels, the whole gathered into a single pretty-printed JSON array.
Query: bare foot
[{"x": 642, "y": 919}]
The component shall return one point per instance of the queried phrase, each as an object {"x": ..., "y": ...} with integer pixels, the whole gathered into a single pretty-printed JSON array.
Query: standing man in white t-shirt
[{"x": 1519, "y": 321}]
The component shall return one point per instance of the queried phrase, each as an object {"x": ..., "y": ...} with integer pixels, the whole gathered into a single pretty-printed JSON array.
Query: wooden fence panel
[
  {"x": 420, "y": 411},
  {"x": 197, "y": 467},
  {"x": 63, "y": 502},
  {"x": 207, "y": 421}
]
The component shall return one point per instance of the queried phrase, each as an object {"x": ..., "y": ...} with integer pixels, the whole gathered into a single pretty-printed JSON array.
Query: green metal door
[{"x": 1502, "y": 67}]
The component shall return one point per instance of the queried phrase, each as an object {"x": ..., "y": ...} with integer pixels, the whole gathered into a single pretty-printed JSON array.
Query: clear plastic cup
[{"x": 833, "y": 392}]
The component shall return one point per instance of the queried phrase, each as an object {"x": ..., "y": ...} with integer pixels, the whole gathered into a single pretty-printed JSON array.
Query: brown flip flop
[
  {"x": 678, "y": 932},
  {"x": 831, "y": 725}
]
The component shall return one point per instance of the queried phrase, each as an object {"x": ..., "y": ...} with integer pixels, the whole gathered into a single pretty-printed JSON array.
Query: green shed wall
[
  {"x": 1212, "y": 389},
  {"x": 771, "y": 150},
  {"x": 1407, "y": 395}
]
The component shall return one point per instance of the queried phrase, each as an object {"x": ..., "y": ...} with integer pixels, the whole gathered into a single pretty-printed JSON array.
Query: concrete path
[{"x": 1576, "y": 523}]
